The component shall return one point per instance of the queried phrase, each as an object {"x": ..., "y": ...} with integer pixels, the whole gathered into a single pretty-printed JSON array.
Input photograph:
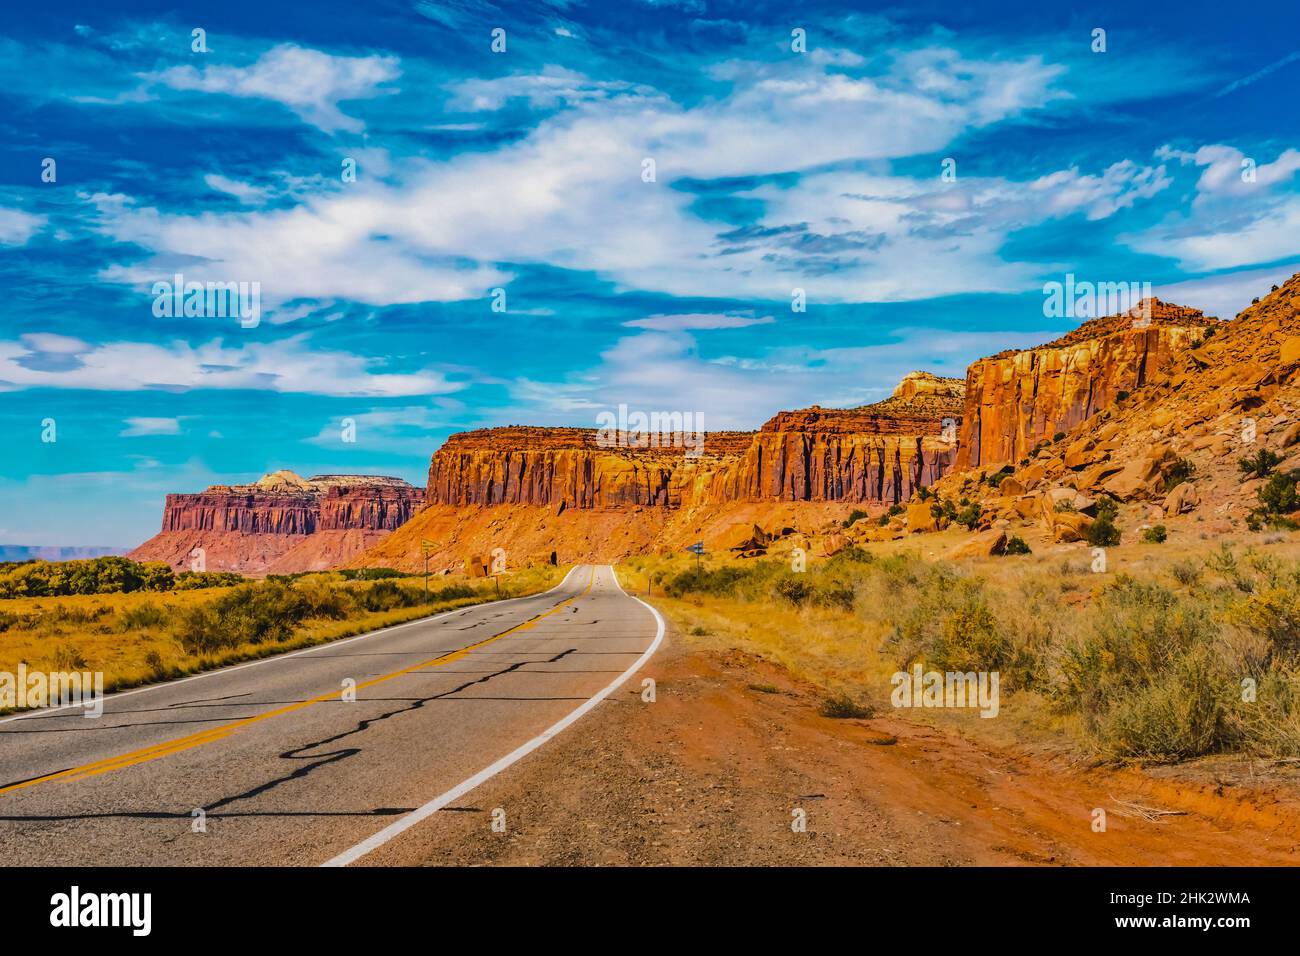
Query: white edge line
[
  {"x": 487, "y": 773},
  {"x": 46, "y": 711}
]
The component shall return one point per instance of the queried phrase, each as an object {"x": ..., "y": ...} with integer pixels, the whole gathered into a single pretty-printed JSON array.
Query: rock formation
[
  {"x": 281, "y": 522},
  {"x": 1014, "y": 400},
  {"x": 875, "y": 454}
]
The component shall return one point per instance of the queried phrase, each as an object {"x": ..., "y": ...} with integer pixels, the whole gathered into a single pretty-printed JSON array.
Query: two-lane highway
[{"x": 275, "y": 763}]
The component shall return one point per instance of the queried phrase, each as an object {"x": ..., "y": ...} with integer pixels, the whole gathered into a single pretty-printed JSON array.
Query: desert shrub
[
  {"x": 370, "y": 574},
  {"x": 843, "y": 707},
  {"x": 1156, "y": 534},
  {"x": 1142, "y": 675},
  {"x": 105, "y": 575},
  {"x": 855, "y": 515},
  {"x": 969, "y": 516},
  {"x": 1180, "y": 712},
  {"x": 1272, "y": 613},
  {"x": 1277, "y": 501},
  {"x": 1259, "y": 465},
  {"x": 949, "y": 625},
  {"x": 1186, "y": 572},
  {"x": 720, "y": 581},
  {"x": 68, "y": 657},
  {"x": 795, "y": 589},
  {"x": 1065, "y": 506},
  {"x": 256, "y": 613},
  {"x": 1058, "y": 436},
  {"x": 142, "y": 616},
  {"x": 195, "y": 580},
  {"x": 1103, "y": 532},
  {"x": 1016, "y": 545},
  {"x": 834, "y": 595}
]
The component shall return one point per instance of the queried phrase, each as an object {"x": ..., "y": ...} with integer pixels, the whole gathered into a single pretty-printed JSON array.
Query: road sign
[{"x": 697, "y": 548}]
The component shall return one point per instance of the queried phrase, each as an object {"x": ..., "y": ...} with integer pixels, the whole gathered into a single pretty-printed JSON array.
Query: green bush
[
  {"x": 1277, "y": 501},
  {"x": 1016, "y": 545},
  {"x": 1259, "y": 465},
  {"x": 855, "y": 515},
  {"x": 1155, "y": 534},
  {"x": 107, "y": 575},
  {"x": 1103, "y": 532},
  {"x": 197, "y": 580},
  {"x": 1143, "y": 676},
  {"x": 256, "y": 613}
]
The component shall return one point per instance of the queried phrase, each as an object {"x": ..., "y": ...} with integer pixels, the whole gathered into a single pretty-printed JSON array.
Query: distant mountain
[{"x": 23, "y": 552}]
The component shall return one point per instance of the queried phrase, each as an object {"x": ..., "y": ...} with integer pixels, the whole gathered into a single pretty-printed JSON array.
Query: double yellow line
[{"x": 225, "y": 730}]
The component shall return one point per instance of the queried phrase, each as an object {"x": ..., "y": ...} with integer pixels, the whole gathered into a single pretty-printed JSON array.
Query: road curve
[{"x": 267, "y": 764}]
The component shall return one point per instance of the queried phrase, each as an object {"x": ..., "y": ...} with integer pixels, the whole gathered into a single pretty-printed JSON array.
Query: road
[{"x": 268, "y": 764}]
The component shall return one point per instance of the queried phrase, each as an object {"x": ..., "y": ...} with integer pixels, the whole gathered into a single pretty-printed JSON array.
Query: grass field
[
  {"x": 1172, "y": 653},
  {"x": 143, "y": 636}
]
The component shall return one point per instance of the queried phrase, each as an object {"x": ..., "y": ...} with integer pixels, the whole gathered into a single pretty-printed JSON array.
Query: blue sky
[{"x": 523, "y": 170}]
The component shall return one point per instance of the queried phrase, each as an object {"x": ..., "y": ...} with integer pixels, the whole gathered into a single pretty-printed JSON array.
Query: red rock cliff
[
  {"x": 878, "y": 453},
  {"x": 281, "y": 522},
  {"x": 1016, "y": 399}
]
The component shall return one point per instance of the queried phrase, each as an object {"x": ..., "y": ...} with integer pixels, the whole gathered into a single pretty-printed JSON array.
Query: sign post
[
  {"x": 427, "y": 547},
  {"x": 697, "y": 549}
]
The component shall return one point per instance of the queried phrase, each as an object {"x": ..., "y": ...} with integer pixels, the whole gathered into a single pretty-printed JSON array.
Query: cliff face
[
  {"x": 569, "y": 467},
  {"x": 1014, "y": 400},
  {"x": 251, "y": 528},
  {"x": 328, "y": 503},
  {"x": 878, "y": 453}
]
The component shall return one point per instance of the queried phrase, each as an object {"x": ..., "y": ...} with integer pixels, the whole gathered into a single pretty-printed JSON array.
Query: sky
[{"x": 468, "y": 214}]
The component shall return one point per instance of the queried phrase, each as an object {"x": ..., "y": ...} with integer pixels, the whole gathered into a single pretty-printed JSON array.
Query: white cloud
[
  {"x": 16, "y": 226},
  {"x": 150, "y": 426},
  {"x": 287, "y": 365},
  {"x": 553, "y": 86},
  {"x": 51, "y": 343},
  {"x": 246, "y": 193},
  {"x": 1121, "y": 185},
  {"x": 1231, "y": 223},
  {"x": 697, "y": 320},
  {"x": 1224, "y": 170},
  {"x": 309, "y": 82},
  {"x": 571, "y": 195}
]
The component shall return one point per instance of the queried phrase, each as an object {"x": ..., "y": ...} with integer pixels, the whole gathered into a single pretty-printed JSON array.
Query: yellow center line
[{"x": 212, "y": 734}]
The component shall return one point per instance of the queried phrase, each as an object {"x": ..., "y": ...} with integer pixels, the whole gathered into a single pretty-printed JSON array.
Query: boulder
[
  {"x": 1289, "y": 351},
  {"x": 981, "y": 545},
  {"x": 1070, "y": 526},
  {"x": 1009, "y": 487},
  {"x": 833, "y": 544},
  {"x": 920, "y": 518},
  {"x": 1181, "y": 499}
]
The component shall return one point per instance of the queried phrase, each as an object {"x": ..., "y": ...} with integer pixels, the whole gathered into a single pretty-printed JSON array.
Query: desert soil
[{"x": 713, "y": 770}]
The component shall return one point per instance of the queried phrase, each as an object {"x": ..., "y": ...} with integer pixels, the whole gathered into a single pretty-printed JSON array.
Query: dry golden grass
[
  {"x": 1046, "y": 612},
  {"x": 103, "y": 632}
]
